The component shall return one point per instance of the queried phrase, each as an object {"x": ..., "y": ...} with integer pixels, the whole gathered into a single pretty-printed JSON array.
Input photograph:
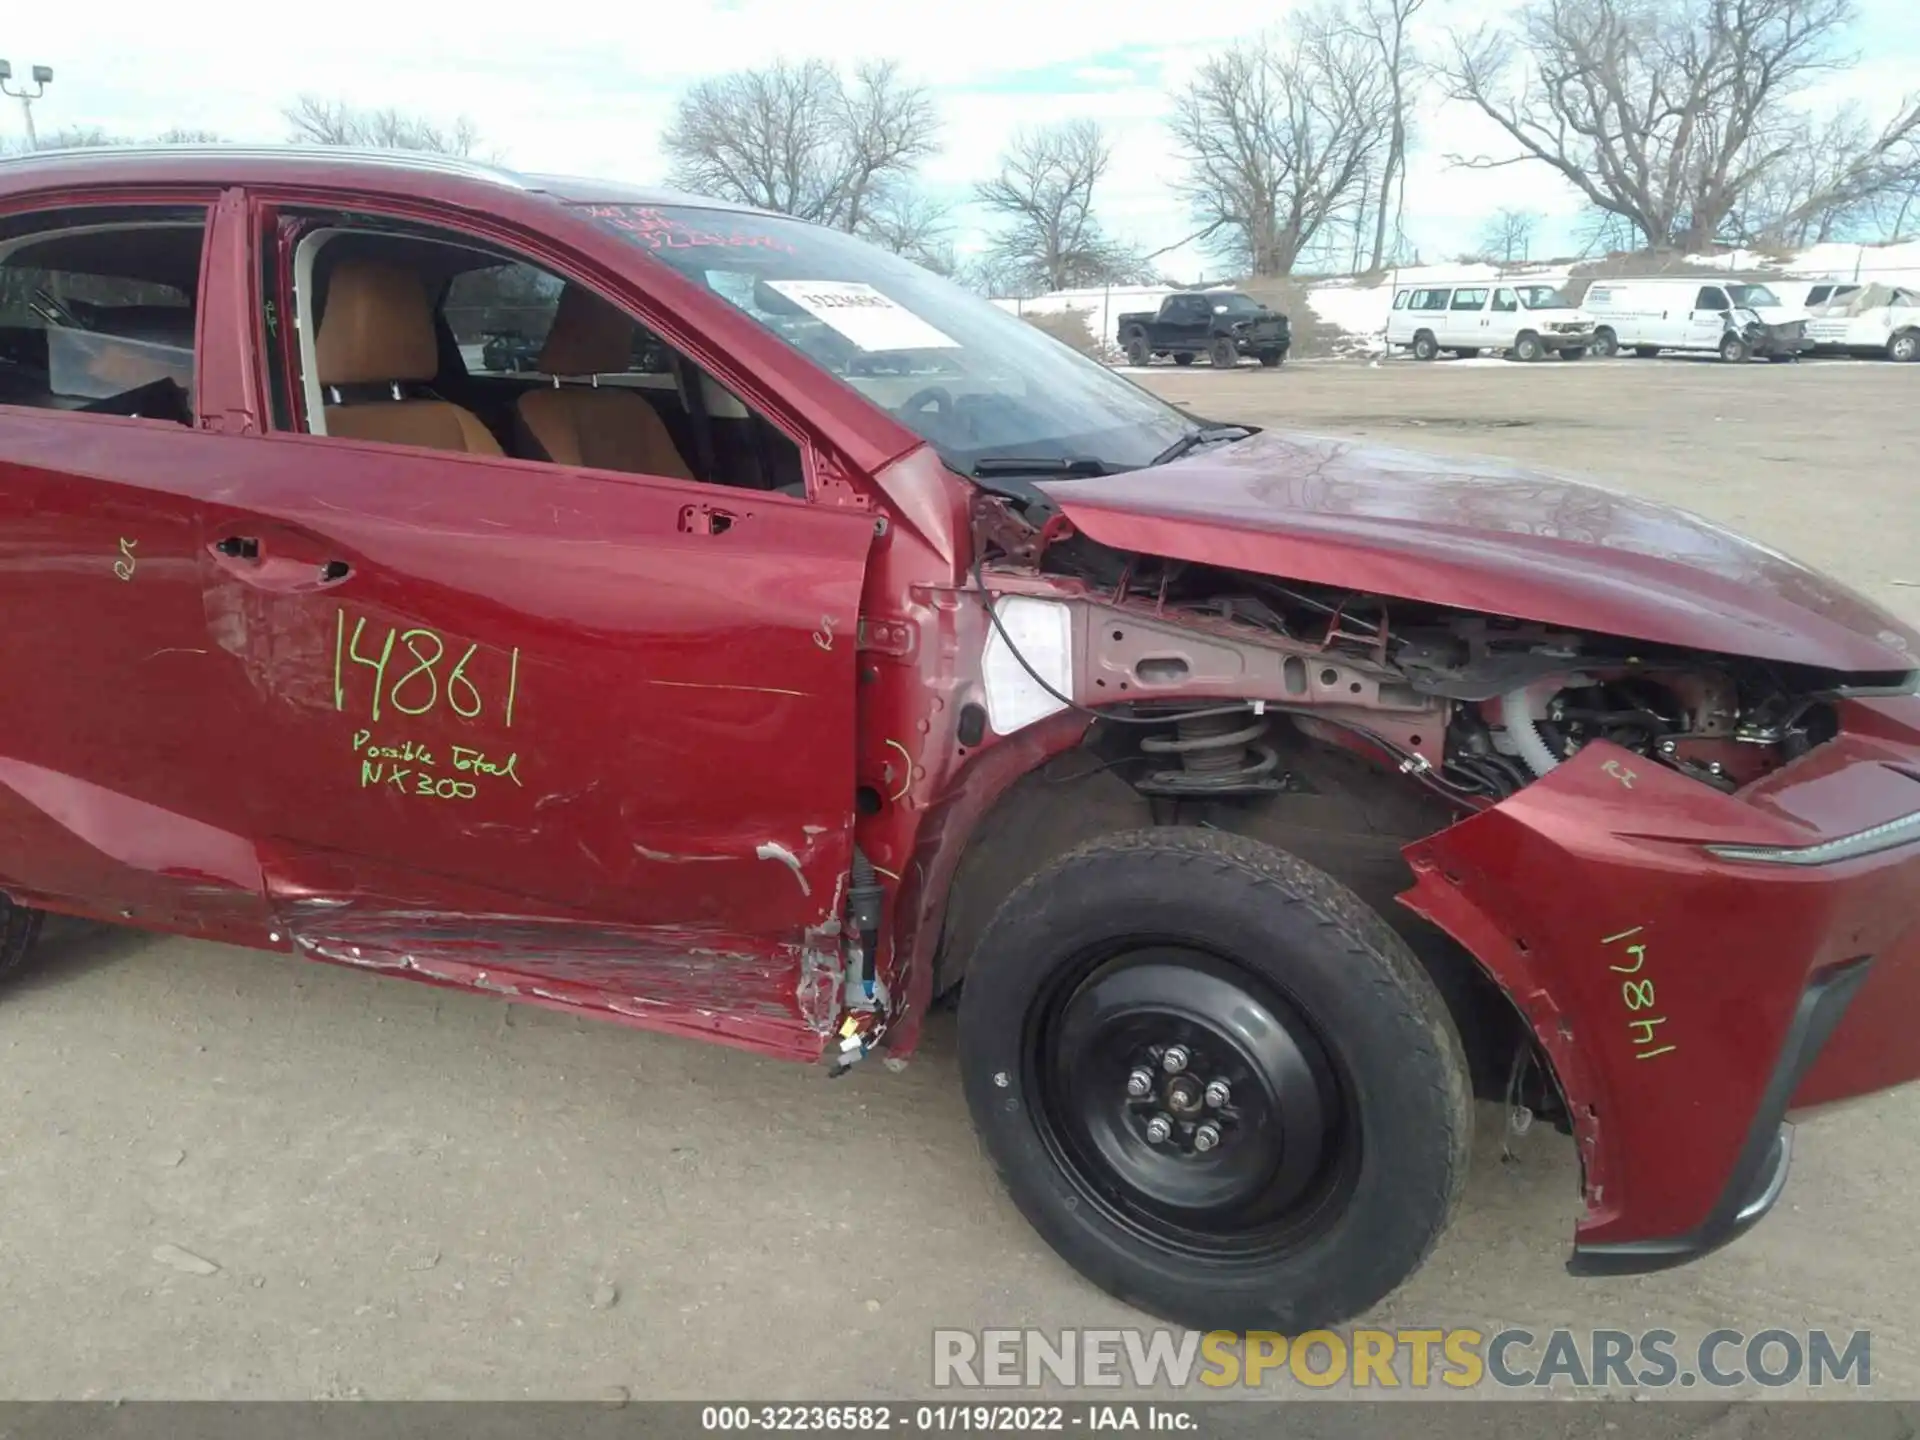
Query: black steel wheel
[
  {"x": 1190, "y": 1102},
  {"x": 1137, "y": 351},
  {"x": 1216, "y": 1082}
]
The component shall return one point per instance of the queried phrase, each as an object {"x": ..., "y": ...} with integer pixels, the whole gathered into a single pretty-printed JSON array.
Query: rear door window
[
  {"x": 1469, "y": 299},
  {"x": 97, "y": 311}
]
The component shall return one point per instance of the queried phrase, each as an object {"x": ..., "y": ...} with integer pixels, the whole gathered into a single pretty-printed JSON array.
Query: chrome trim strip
[{"x": 1871, "y": 841}]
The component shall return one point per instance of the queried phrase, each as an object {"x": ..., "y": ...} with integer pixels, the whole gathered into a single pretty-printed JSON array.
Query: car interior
[
  {"x": 99, "y": 318},
  {"x": 410, "y": 330}
]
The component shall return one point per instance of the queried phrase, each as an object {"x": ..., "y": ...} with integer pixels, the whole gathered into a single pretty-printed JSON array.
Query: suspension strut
[{"x": 1218, "y": 754}]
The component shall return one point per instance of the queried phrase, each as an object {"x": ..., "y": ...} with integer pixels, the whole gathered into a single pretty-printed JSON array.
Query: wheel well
[{"x": 1339, "y": 814}]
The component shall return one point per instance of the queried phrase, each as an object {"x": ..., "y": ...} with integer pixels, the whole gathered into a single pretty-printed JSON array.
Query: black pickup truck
[{"x": 1220, "y": 324}]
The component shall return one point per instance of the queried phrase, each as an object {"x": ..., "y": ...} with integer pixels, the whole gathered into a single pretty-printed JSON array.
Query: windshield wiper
[
  {"x": 1198, "y": 436},
  {"x": 1039, "y": 465}
]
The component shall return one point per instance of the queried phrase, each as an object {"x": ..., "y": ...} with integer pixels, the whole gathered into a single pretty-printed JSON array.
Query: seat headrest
[
  {"x": 589, "y": 337},
  {"x": 378, "y": 326}
]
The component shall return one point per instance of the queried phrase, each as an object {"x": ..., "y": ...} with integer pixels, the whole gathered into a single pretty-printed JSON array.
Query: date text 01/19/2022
[{"x": 945, "y": 1419}]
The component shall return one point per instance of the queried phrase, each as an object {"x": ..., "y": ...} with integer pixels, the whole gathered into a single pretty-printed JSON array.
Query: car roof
[{"x": 375, "y": 169}]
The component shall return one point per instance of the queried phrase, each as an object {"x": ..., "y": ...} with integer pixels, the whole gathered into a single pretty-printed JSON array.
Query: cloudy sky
[{"x": 586, "y": 87}]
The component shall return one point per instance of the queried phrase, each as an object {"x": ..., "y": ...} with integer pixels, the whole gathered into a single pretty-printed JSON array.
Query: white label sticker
[{"x": 862, "y": 314}]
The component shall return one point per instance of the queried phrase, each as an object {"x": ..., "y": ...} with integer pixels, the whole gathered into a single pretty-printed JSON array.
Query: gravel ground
[{"x": 229, "y": 1175}]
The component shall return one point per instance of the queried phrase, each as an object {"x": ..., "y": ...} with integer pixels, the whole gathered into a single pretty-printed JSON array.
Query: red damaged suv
[{"x": 773, "y": 640}]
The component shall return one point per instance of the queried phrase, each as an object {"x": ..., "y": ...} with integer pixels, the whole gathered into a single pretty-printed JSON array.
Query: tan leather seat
[
  {"x": 378, "y": 329},
  {"x": 604, "y": 426}
]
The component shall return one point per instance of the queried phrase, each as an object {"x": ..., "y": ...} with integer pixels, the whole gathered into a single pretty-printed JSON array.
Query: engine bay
[{"x": 1475, "y": 707}]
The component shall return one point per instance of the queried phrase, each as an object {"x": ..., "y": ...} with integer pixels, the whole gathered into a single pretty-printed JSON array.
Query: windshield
[
  {"x": 974, "y": 381},
  {"x": 1234, "y": 305},
  {"x": 1753, "y": 297},
  {"x": 1543, "y": 297}
]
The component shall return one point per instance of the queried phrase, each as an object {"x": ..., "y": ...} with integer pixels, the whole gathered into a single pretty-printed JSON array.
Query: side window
[
  {"x": 1429, "y": 299},
  {"x": 500, "y": 317},
  {"x": 426, "y": 339},
  {"x": 97, "y": 311},
  {"x": 1505, "y": 301},
  {"x": 1470, "y": 299},
  {"x": 1400, "y": 300},
  {"x": 1711, "y": 297}
]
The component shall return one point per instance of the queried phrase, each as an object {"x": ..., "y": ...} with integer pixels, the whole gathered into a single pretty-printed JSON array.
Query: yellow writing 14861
[
  {"x": 419, "y": 688},
  {"x": 1637, "y": 994}
]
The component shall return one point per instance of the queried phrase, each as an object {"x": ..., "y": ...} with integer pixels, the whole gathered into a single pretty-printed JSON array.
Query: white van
[
  {"x": 1527, "y": 320},
  {"x": 1867, "y": 320},
  {"x": 1732, "y": 318}
]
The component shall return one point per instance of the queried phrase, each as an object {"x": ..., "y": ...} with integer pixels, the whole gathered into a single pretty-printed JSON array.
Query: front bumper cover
[
  {"x": 1688, "y": 1001},
  {"x": 1760, "y": 1174}
]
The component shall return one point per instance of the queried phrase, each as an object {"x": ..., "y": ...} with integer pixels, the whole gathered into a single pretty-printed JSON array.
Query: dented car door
[
  {"x": 545, "y": 729},
  {"x": 538, "y": 719}
]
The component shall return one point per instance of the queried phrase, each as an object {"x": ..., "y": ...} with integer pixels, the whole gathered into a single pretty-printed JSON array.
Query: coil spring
[{"x": 1219, "y": 755}]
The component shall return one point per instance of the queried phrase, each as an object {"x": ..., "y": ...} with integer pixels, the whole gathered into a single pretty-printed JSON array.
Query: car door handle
[
  {"x": 706, "y": 520},
  {"x": 248, "y": 557}
]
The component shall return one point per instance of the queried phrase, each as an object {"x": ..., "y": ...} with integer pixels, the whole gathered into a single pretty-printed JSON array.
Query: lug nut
[
  {"x": 1159, "y": 1128},
  {"x": 1217, "y": 1093},
  {"x": 1175, "y": 1060},
  {"x": 1140, "y": 1083},
  {"x": 1206, "y": 1137}
]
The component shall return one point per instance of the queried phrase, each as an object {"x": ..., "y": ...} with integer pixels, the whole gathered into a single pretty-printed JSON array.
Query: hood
[{"x": 1475, "y": 535}]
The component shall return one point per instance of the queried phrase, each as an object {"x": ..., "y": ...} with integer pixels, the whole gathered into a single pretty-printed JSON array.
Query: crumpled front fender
[{"x": 1682, "y": 998}]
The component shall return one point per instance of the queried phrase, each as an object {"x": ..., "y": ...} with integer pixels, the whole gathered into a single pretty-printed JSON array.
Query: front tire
[
  {"x": 1733, "y": 350},
  {"x": 19, "y": 928},
  {"x": 1904, "y": 347},
  {"x": 1425, "y": 347},
  {"x": 1528, "y": 348},
  {"x": 1302, "y": 1017},
  {"x": 1605, "y": 344}
]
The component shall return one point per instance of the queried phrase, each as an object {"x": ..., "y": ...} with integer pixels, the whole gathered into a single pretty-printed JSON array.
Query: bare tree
[
  {"x": 1668, "y": 113},
  {"x": 1282, "y": 136},
  {"x": 1044, "y": 193},
  {"x": 313, "y": 121},
  {"x": 88, "y": 137},
  {"x": 1509, "y": 234},
  {"x": 1602, "y": 232},
  {"x": 804, "y": 140},
  {"x": 1384, "y": 24},
  {"x": 912, "y": 224}
]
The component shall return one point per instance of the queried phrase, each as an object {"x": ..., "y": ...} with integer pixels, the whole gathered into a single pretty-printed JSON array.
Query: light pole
[{"x": 42, "y": 77}]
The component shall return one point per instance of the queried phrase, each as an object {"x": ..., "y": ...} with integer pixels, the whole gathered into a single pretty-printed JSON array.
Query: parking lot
[{"x": 413, "y": 1193}]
